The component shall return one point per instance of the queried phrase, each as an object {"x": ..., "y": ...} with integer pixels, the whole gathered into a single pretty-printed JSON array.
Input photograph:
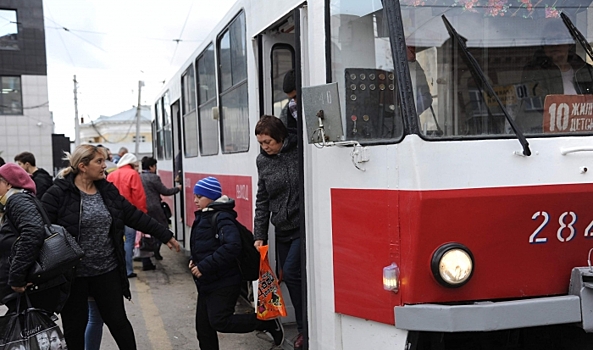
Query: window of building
[
  {"x": 142, "y": 138},
  {"x": 11, "y": 98},
  {"x": 207, "y": 105},
  {"x": 234, "y": 107},
  {"x": 8, "y": 30}
]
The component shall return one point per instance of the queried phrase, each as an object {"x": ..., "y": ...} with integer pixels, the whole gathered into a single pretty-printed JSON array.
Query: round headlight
[{"x": 452, "y": 265}]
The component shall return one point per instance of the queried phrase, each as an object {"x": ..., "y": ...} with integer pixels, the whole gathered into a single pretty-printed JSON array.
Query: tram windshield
[{"x": 542, "y": 76}]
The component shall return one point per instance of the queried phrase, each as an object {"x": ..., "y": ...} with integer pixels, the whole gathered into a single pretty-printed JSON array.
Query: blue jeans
[
  {"x": 129, "y": 248},
  {"x": 289, "y": 258},
  {"x": 94, "y": 328}
]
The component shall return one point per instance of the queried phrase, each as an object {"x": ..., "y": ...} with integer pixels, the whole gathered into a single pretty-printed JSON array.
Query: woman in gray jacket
[
  {"x": 277, "y": 201},
  {"x": 154, "y": 188}
]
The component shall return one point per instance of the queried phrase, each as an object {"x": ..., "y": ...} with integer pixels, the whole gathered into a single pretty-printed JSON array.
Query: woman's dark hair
[
  {"x": 2, "y": 162},
  {"x": 147, "y": 162},
  {"x": 271, "y": 126}
]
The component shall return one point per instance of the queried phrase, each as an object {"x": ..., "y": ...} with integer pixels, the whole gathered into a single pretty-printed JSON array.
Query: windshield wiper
[
  {"x": 577, "y": 35},
  {"x": 482, "y": 82}
]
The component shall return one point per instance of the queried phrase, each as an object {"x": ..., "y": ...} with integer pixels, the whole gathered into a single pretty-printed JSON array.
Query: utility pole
[
  {"x": 76, "y": 123},
  {"x": 138, "y": 114}
]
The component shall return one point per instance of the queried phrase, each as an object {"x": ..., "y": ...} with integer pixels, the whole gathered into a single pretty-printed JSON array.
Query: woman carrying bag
[
  {"x": 22, "y": 219},
  {"x": 95, "y": 213}
]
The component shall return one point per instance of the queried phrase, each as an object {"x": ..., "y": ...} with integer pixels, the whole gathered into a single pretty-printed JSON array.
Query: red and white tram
[{"x": 446, "y": 194}]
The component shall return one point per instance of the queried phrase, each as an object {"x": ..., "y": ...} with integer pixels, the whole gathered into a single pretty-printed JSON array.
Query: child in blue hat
[{"x": 213, "y": 264}]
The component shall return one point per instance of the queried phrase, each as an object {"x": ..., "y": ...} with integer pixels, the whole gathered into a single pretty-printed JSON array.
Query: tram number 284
[{"x": 566, "y": 231}]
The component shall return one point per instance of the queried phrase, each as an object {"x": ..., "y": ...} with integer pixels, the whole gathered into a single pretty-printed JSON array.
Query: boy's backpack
[{"x": 249, "y": 258}]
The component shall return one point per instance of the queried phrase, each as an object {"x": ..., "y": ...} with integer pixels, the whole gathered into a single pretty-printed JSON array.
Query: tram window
[
  {"x": 158, "y": 115},
  {"x": 234, "y": 109},
  {"x": 167, "y": 127},
  {"x": 190, "y": 122},
  {"x": 511, "y": 45},
  {"x": 363, "y": 68},
  {"x": 207, "y": 117},
  {"x": 282, "y": 62}
]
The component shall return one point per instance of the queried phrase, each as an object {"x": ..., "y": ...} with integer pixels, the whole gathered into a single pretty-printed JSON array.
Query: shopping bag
[
  {"x": 30, "y": 329},
  {"x": 140, "y": 246},
  {"x": 270, "y": 303}
]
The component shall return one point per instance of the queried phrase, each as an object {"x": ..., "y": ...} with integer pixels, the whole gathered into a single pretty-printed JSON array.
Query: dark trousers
[
  {"x": 106, "y": 289},
  {"x": 289, "y": 259},
  {"x": 215, "y": 312}
]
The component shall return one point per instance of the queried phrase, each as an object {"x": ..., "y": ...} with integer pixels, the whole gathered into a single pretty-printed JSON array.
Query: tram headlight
[{"x": 452, "y": 265}]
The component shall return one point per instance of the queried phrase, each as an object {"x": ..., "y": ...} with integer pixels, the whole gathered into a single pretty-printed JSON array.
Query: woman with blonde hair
[{"x": 94, "y": 212}]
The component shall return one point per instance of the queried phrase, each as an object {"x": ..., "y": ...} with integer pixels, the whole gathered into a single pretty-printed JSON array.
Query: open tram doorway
[
  {"x": 279, "y": 52},
  {"x": 178, "y": 219}
]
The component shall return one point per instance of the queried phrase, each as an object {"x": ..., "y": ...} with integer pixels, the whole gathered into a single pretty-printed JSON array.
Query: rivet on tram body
[{"x": 583, "y": 169}]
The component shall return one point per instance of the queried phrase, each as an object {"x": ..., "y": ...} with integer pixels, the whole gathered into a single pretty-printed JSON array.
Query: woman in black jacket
[
  {"x": 22, "y": 220},
  {"x": 94, "y": 212}
]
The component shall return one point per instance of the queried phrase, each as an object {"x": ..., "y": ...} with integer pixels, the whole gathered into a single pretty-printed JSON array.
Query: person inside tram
[
  {"x": 214, "y": 253},
  {"x": 419, "y": 82},
  {"x": 289, "y": 112},
  {"x": 555, "y": 69},
  {"x": 277, "y": 201}
]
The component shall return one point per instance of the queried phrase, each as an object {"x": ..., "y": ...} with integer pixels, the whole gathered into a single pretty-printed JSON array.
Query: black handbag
[
  {"x": 147, "y": 243},
  {"x": 166, "y": 209},
  {"x": 58, "y": 255}
]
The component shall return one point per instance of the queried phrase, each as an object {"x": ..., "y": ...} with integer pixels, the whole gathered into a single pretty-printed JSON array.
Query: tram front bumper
[{"x": 577, "y": 307}]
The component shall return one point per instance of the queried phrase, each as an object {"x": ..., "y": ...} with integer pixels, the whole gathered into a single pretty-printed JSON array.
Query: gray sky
[{"x": 109, "y": 45}]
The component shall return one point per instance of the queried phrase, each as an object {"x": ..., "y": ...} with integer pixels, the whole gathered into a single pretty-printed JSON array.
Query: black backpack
[{"x": 249, "y": 258}]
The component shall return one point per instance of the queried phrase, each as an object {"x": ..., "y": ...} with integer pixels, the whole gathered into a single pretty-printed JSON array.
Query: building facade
[
  {"x": 25, "y": 119},
  {"x": 119, "y": 131}
]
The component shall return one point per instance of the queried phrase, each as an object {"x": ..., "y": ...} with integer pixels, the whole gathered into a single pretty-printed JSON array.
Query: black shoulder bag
[{"x": 58, "y": 255}]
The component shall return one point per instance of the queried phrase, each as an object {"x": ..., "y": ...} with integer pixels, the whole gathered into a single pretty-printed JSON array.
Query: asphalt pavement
[{"x": 162, "y": 311}]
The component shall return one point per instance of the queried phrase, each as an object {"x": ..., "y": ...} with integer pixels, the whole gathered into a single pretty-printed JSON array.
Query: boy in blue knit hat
[{"x": 213, "y": 264}]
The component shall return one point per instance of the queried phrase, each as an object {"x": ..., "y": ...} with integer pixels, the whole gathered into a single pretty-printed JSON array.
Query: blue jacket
[{"x": 215, "y": 254}]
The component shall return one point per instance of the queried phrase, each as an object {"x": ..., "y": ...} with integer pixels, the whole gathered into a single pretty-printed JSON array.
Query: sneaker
[
  {"x": 298, "y": 342},
  {"x": 274, "y": 327}
]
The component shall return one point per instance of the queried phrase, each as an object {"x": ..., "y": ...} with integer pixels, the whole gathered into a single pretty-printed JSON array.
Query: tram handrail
[{"x": 568, "y": 150}]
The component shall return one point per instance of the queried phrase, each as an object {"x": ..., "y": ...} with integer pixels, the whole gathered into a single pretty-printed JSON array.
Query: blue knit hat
[{"x": 208, "y": 187}]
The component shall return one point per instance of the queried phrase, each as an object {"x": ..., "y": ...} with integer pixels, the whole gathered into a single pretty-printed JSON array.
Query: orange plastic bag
[{"x": 270, "y": 303}]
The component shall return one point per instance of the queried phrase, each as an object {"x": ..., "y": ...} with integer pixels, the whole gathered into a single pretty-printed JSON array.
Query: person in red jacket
[{"x": 127, "y": 180}]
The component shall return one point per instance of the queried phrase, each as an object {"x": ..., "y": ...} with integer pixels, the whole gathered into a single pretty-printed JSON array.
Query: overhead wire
[
  {"x": 76, "y": 35},
  {"x": 181, "y": 34},
  {"x": 63, "y": 43}
]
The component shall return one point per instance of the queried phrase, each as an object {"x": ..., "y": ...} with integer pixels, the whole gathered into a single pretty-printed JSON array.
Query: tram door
[
  {"x": 277, "y": 57},
  {"x": 177, "y": 221}
]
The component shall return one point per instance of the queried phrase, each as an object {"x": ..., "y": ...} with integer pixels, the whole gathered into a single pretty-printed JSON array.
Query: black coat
[
  {"x": 20, "y": 209},
  {"x": 62, "y": 203},
  {"x": 43, "y": 181},
  {"x": 215, "y": 252}
]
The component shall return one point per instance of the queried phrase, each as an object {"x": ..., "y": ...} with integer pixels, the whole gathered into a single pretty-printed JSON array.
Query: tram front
[{"x": 474, "y": 120}]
